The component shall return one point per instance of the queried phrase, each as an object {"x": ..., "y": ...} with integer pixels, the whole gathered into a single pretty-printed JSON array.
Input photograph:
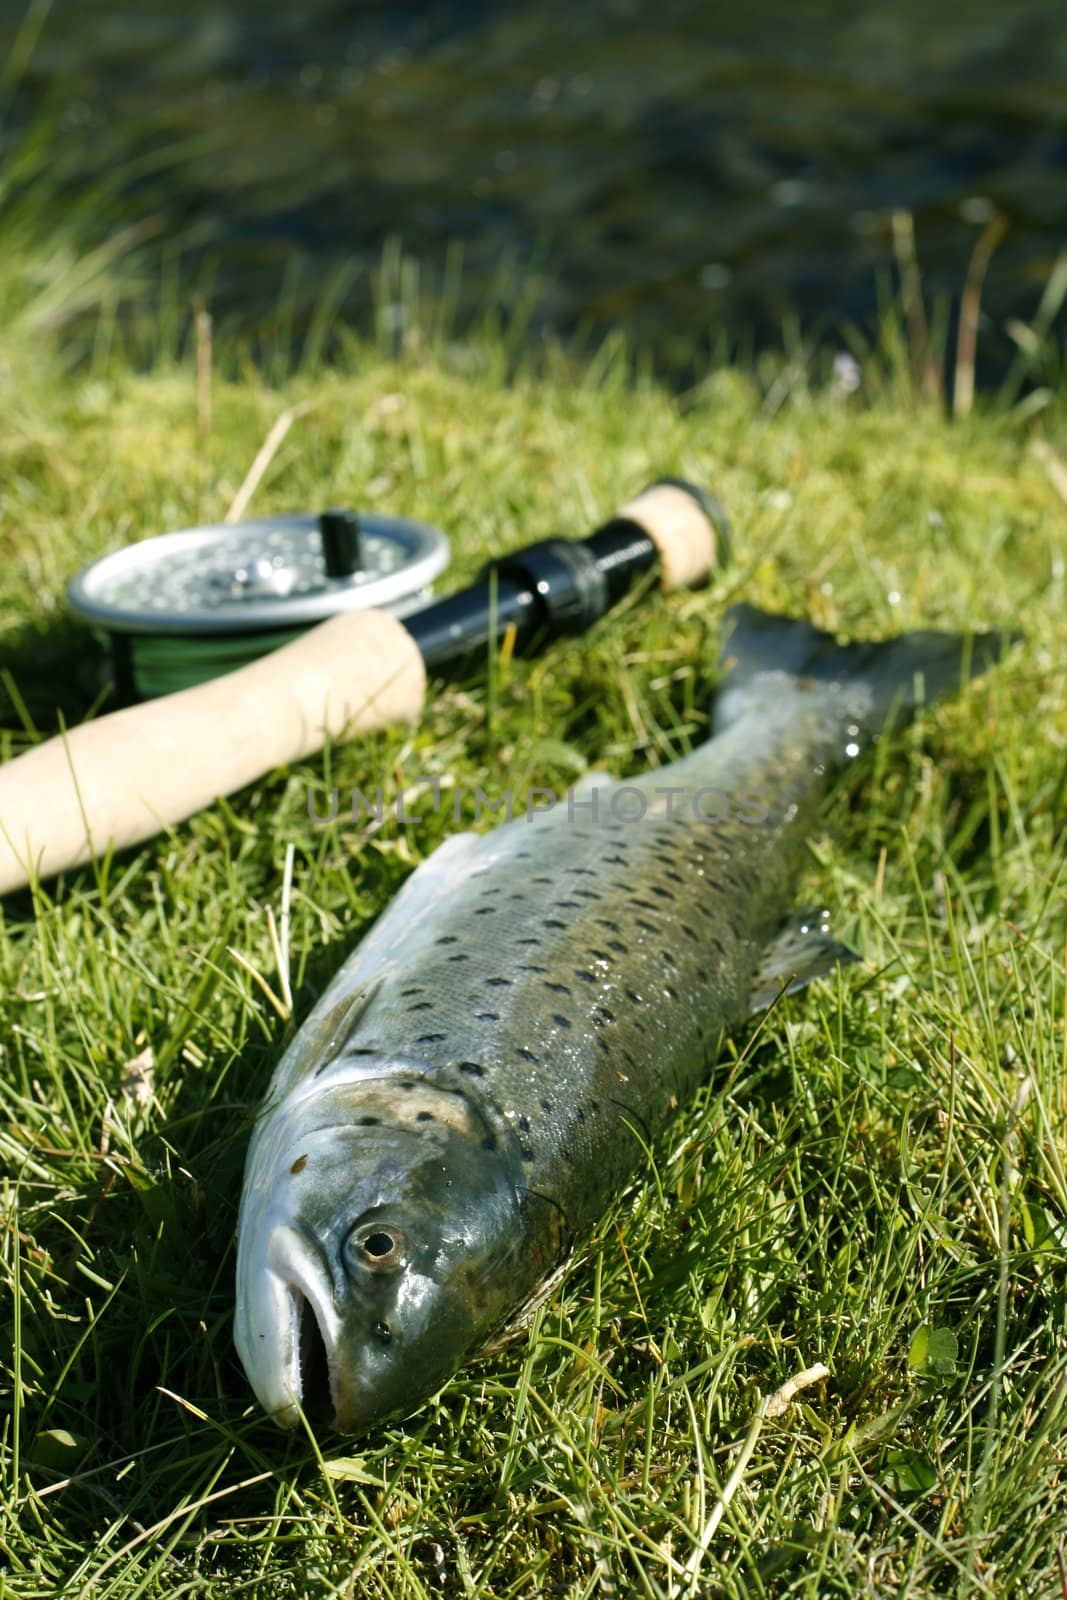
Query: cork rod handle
[
  {"x": 687, "y": 527},
  {"x": 129, "y": 775}
]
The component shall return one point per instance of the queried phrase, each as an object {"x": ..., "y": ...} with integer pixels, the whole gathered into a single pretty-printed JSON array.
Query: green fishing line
[{"x": 164, "y": 663}]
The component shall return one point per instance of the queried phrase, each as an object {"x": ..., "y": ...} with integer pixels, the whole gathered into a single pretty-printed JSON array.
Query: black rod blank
[{"x": 546, "y": 590}]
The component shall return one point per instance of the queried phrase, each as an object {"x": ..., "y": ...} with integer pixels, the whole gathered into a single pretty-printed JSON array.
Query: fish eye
[{"x": 381, "y": 1248}]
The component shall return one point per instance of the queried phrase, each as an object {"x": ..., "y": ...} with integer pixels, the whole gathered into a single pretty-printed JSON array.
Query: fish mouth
[
  {"x": 289, "y": 1337},
  {"x": 313, "y": 1365}
]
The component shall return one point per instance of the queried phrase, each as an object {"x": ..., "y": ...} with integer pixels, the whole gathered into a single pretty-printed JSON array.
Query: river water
[{"x": 689, "y": 173}]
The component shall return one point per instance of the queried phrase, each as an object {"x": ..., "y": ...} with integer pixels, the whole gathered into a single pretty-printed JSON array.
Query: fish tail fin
[{"x": 876, "y": 683}]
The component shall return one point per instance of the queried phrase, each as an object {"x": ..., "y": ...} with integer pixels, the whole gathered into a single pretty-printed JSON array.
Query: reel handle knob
[{"x": 342, "y": 547}]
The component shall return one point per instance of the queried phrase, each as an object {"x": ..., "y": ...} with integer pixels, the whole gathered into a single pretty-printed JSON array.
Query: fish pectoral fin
[
  {"x": 519, "y": 1321},
  {"x": 802, "y": 950}
]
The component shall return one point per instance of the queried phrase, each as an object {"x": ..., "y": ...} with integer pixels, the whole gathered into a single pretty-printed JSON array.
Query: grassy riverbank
[{"x": 885, "y": 1155}]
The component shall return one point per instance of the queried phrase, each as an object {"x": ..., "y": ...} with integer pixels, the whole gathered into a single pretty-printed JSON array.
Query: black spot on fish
[
  {"x": 382, "y": 1331},
  {"x": 579, "y": 1113},
  {"x": 415, "y": 988},
  {"x": 553, "y": 922},
  {"x": 603, "y": 1014},
  {"x": 615, "y": 861},
  {"x": 487, "y": 1016},
  {"x": 561, "y": 1020},
  {"x": 526, "y": 1152},
  {"x": 675, "y": 877},
  {"x": 407, "y": 1084},
  {"x": 484, "y": 911},
  {"x": 461, "y": 957},
  {"x": 601, "y": 955},
  {"x": 429, "y": 1038},
  {"x": 604, "y": 1045},
  {"x": 473, "y": 1068},
  {"x": 524, "y": 1054},
  {"x": 571, "y": 905},
  {"x": 369, "y": 1122},
  {"x": 557, "y": 988},
  {"x": 422, "y": 1005},
  {"x": 489, "y": 1143},
  {"x": 524, "y": 1124},
  {"x": 546, "y": 1105},
  {"x": 633, "y": 995},
  {"x": 646, "y": 927},
  {"x": 587, "y": 894},
  {"x": 670, "y": 991},
  {"x": 541, "y": 879},
  {"x": 446, "y": 938},
  {"x": 586, "y": 977},
  {"x": 617, "y": 944},
  {"x": 527, "y": 941},
  {"x": 499, "y": 983},
  {"x": 663, "y": 894},
  {"x": 606, "y": 922},
  {"x": 424, "y": 1116},
  {"x": 669, "y": 957}
]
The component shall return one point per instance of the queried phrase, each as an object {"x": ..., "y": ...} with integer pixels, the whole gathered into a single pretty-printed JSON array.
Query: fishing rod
[{"x": 127, "y": 776}]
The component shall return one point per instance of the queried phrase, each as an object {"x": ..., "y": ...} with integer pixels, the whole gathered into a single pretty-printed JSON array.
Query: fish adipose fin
[
  {"x": 800, "y": 951},
  {"x": 878, "y": 682}
]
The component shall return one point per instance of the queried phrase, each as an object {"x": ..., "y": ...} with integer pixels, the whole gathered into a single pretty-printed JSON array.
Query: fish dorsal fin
[
  {"x": 596, "y": 781},
  {"x": 802, "y": 950},
  {"x": 354, "y": 987},
  {"x": 431, "y": 882},
  {"x": 595, "y": 778}
]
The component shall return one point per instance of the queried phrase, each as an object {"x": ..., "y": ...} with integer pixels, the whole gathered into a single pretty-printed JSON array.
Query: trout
[{"x": 484, "y": 1073}]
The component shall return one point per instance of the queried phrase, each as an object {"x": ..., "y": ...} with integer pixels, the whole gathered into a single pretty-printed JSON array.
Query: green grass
[{"x": 881, "y": 1156}]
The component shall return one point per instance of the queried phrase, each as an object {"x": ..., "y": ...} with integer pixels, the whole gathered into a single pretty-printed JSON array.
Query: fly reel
[{"x": 185, "y": 607}]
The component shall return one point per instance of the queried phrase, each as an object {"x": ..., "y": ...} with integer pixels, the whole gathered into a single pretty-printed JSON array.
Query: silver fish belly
[{"x": 483, "y": 1074}]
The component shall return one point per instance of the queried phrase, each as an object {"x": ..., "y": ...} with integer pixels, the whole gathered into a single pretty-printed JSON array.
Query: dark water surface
[{"x": 672, "y": 168}]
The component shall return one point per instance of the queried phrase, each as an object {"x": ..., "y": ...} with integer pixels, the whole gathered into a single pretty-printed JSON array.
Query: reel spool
[{"x": 185, "y": 607}]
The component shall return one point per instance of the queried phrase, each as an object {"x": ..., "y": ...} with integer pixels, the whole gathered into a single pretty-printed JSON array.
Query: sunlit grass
[{"x": 886, "y": 1156}]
